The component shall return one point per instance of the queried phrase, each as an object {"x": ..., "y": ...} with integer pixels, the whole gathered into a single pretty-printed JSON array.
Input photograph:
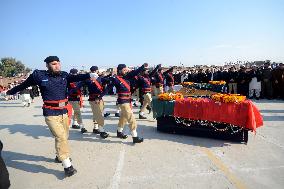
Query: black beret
[
  {"x": 73, "y": 71},
  {"x": 51, "y": 59},
  {"x": 121, "y": 66},
  {"x": 94, "y": 68}
]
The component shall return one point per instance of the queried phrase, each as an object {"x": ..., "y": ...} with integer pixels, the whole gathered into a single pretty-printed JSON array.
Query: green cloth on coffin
[{"x": 162, "y": 108}]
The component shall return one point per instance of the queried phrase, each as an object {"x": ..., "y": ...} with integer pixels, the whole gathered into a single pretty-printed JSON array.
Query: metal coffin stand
[{"x": 169, "y": 124}]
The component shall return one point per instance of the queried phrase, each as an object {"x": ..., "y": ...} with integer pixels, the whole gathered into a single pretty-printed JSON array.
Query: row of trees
[{"x": 10, "y": 67}]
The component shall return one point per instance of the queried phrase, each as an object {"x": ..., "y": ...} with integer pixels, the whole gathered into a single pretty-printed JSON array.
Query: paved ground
[{"x": 162, "y": 161}]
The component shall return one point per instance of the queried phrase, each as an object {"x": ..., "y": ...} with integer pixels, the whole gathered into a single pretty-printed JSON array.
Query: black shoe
[
  {"x": 257, "y": 98},
  {"x": 83, "y": 130},
  {"x": 116, "y": 115},
  {"x": 96, "y": 131},
  {"x": 70, "y": 171},
  {"x": 149, "y": 109},
  {"x": 121, "y": 135},
  {"x": 142, "y": 117},
  {"x": 29, "y": 104},
  {"x": 104, "y": 134},
  {"x": 75, "y": 126},
  {"x": 137, "y": 139},
  {"x": 106, "y": 114},
  {"x": 56, "y": 160}
]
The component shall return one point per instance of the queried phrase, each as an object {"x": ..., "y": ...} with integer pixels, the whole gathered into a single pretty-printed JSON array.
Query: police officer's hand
[{"x": 145, "y": 65}]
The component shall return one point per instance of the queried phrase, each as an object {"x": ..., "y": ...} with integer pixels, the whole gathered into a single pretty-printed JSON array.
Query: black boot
[
  {"x": 142, "y": 117},
  {"x": 106, "y": 114},
  {"x": 121, "y": 135},
  {"x": 116, "y": 115},
  {"x": 56, "y": 160},
  {"x": 96, "y": 131},
  {"x": 137, "y": 139},
  {"x": 70, "y": 171},
  {"x": 104, "y": 135},
  {"x": 83, "y": 130},
  {"x": 75, "y": 126}
]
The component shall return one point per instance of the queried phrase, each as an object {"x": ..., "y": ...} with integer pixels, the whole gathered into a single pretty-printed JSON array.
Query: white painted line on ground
[{"x": 117, "y": 174}]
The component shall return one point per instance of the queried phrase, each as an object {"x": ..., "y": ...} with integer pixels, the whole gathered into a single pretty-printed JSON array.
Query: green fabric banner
[{"x": 162, "y": 108}]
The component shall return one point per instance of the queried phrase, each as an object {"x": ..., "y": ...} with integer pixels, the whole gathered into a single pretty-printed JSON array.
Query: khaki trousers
[
  {"x": 126, "y": 116},
  {"x": 59, "y": 128},
  {"x": 171, "y": 89},
  {"x": 147, "y": 99},
  {"x": 97, "y": 109},
  {"x": 159, "y": 90},
  {"x": 77, "y": 112},
  {"x": 153, "y": 90}
]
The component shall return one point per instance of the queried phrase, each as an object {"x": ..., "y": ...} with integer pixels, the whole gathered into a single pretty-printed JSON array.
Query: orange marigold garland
[
  {"x": 170, "y": 96},
  {"x": 228, "y": 97},
  {"x": 217, "y": 82},
  {"x": 187, "y": 83}
]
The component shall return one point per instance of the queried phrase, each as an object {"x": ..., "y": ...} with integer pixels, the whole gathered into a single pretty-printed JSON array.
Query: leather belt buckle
[{"x": 61, "y": 104}]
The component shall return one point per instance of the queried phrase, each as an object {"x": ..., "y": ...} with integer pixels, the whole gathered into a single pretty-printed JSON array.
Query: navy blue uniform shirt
[
  {"x": 52, "y": 87},
  {"x": 74, "y": 91},
  {"x": 94, "y": 91},
  {"x": 120, "y": 87}
]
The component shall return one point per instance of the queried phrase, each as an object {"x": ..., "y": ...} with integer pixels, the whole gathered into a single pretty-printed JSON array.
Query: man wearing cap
[
  {"x": 170, "y": 81},
  {"x": 266, "y": 81},
  {"x": 243, "y": 81},
  {"x": 232, "y": 81},
  {"x": 254, "y": 84},
  {"x": 144, "y": 84},
  {"x": 278, "y": 81},
  {"x": 53, "y": 87},
  {"x": 159, "y": 81},
  {"x": 123, "y": 88},
  {"x": 97, "y": 90},
  {"x": 75, "y": 99}
]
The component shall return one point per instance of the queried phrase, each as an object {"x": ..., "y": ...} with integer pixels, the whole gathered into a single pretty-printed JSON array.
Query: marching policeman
[
  {"x": 144, "y": 84},
  {"x": 53, "y": 87},
  {"x": 123, "y": 88},
  {"x": 75, "y": 99},
  {"x": 96, "y": 92},
  {"x": 159, "y": 82},
  {"x": 170, "y": 79}
]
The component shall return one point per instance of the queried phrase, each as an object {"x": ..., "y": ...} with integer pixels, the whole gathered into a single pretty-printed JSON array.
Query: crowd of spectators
[{"x": 253, "y": 81}]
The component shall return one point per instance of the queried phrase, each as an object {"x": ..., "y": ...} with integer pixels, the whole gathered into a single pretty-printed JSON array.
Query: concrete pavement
[{"x": 161, "y": 161}]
